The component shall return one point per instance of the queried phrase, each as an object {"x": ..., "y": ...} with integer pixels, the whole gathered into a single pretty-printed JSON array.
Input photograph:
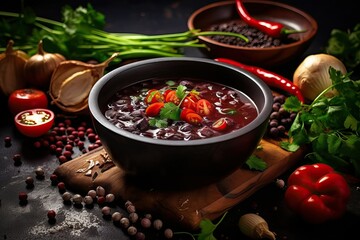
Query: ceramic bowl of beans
[
  {"x": 264, "y": 47},
  {"x": 179, "y": 122}
]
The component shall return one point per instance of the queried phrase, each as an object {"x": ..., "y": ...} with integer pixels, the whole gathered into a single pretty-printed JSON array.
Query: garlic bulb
[
  {"x": 72, "y": 81},
  {"x": 12, "y": 64},
  {"x": 312, "y": 75},
  {"x": 255, "y": 227},
  {"x": 39, "y": 67}
]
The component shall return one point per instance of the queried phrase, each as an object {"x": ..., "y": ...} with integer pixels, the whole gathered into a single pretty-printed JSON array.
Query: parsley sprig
[{"x": 330, "y": 125}]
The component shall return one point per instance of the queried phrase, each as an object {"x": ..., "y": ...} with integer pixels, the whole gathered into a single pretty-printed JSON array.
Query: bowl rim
[
  {"x": 308, "y": 17},
  {"x": 97, "y": 114}
]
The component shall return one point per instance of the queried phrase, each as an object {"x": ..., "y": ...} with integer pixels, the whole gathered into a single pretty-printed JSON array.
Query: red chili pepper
[
  {"x": 317, "y": 193},
  {"x": 270, "y": 78},
  {"x": 273, "y": 29}
]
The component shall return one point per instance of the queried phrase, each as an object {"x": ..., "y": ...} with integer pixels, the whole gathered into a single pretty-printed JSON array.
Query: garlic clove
[
  {"x": 39, "y": 67},
  {"x": 12, "y": 64},
  {"x": 72, "y": 81},
  {"x": 82, "y": 82},
  {"x": 312, "y": 75},
  {"x": 65, "y": 70},
  {"x": 255, "y": 227}
]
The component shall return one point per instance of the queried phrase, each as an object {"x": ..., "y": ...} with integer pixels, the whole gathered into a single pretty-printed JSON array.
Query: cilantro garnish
[
  {"x": 330, "y": 125},
  {"x": 207, "y": 229},
  {"x": 171, "y": 111}
]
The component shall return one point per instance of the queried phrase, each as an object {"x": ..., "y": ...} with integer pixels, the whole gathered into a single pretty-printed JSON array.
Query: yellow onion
[
  {"x": 12, "y": 64},
  {"x": 312, "y": 75},
  {"x": 39, "y": 67}
]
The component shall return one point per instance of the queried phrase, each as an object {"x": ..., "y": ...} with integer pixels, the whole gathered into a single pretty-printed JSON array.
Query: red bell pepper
[{"x": 317, "y": 193}]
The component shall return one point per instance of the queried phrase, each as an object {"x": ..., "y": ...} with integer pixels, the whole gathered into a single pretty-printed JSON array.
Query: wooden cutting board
[{"x": 186, "y": 207}]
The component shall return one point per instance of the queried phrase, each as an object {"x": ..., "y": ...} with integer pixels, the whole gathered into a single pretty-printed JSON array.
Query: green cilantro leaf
[
  {"x": 157, "y": 122},
  {"x": 256, "y": 163},
  {"x": 170, "y": 111},
  {"x": 181, "y": 91},
  {"x": 208, "y": 228}
]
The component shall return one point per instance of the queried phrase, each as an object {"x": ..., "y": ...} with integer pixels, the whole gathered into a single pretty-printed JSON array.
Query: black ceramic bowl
[{"x": 179, "y": 163}]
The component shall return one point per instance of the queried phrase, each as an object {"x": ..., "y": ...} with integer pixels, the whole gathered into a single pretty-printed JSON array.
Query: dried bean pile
[{"x": 257, "y": 39}]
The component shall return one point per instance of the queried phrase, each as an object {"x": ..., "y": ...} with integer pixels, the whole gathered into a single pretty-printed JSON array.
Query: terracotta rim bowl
[
  {"x": 179, "y": 163},
  {"x": 291, "y": 17}
]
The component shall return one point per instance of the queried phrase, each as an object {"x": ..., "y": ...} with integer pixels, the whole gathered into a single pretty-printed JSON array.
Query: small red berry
[
  {"x": 23, "y": 196},
  {"x": 101, "y": 200},
  {"x": 51, "y": 214},
  {"x": 61, "y": 186},
  {"x": 53, "y": 177},
  {"x": 7, "y": 141}
]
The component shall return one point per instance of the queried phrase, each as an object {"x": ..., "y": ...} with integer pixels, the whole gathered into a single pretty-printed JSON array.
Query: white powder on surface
[{"x": 75, "y": 223}]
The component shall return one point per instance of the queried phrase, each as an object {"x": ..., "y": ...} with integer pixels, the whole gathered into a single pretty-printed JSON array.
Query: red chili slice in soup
[{"x": 220, "y": 124}]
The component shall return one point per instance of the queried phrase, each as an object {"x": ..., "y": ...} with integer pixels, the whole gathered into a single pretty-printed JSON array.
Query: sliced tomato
[
  {"x": 154, "y": 109},
  {"x": 188, "y": 102},
  {"x": 171, "y": 97},
  {"x": 27, "y": 98},
  {"x": 219, "y": 124},
  {"x": 204, "y": 107},
  {"x": 195, "y": 97},
  {"x": 193, "y": 118},
  {"x": 184, "y": 112},
  {"x": 154, "y": 96},
  {"x": 166, "y": 93},
  {"x": 34, "y": 122}
]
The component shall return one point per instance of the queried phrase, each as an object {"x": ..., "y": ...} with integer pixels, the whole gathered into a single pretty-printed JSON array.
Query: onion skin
[
  {"x": 312, "y": 75},
  {"x": 39, "y": 68}
]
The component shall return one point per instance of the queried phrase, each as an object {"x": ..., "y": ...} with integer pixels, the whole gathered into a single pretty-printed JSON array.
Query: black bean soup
[{"x": 183, "y": 109}]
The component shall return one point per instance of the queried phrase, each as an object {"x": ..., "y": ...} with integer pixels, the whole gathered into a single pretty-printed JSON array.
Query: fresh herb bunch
[
  {"x": 331, "y": 125},
  {"x": 345, "y": 45},
  {"x": 81, "y": 36}
]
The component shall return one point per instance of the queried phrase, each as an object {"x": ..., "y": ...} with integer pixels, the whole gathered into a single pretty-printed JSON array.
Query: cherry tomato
[
  {"x": 166, "y": 93},
  {"x": 184, "y": 112},
  {"x": 34, "y": 122},
  {"x": 188, "y": 102},
  {"x": 154, "y": 109},
  {"x": 154, "y": 96},
  {"x": 193, "y": 118},
  {"x": 27, "y": 98},
  {"x": 204, "y": 107},
  {"x": 171, "y": 97},
  {"x": 219, "y": 124}
]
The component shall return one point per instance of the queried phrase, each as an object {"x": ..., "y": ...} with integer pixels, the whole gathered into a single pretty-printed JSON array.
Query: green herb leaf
[
  {"x": 208, "y": 228},
  {"x": 345, "y": 45},
  {"x": 180, "y": 91},
  {"x": 170, "y": 111},
  {"x": 330, "y": 125},
  {"x": 157, "y": 122},
  {"x": 256, "y": 163}
]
